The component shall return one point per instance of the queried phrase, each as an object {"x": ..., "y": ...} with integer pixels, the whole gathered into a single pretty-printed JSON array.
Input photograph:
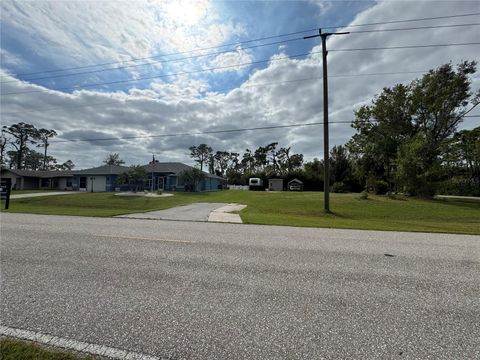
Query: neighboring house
[
  {"x": 32, "y": 180},
  {"x": 102, "y": 178},
  {"x": 165, "y": 177}
]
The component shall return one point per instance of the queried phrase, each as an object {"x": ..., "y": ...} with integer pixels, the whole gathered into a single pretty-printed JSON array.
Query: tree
[
  {"x": 191, "y": 178},
  {"x": 67, "y": 165},
  {"x": 271, "y": 151},
  {"x": 200, "y": 154},
  {"x": 43, "y": 136},
  {"x": 423, "y": 114},
  {"x": 248, "y": 161},
  {"x": 221, "y": 159},
  {"x": 261, "y": 157},
  {"x": 3, "y": 148},
  {"x": 23, "y": 135},
  {"x": 113, "y": 159},
  {"x": 135, "y": 176}
]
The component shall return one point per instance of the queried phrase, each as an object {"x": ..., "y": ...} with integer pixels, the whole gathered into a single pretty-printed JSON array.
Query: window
[
  {"x": 69, "y": 182},
  {"x": 45, "y": 183},
  {"x": 83, "y": 182}
]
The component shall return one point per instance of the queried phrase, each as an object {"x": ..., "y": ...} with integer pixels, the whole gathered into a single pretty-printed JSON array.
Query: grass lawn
[
  {"x": 283, "y": 208},
  {"x": 24, "y": 350}
]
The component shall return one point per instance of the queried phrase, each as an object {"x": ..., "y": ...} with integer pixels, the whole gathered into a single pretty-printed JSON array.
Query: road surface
[{"x": 186, "y": 290}]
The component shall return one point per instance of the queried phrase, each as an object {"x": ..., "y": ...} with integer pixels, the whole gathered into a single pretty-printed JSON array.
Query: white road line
[
  {"x": 64, "y": 343},
  {"x": 143, "y": 238}
]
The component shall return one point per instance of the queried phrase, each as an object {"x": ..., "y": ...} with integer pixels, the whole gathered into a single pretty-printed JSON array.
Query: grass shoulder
[
  {"x": 283, "y": 208},
  {"x": 24, "y": 350}
]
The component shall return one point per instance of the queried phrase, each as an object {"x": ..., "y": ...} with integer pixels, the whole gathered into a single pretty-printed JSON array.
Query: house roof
[
  {"x": 102, "y": 170},
  {"x": 39, "y": 173},
  {"x": 295, "y": 180},
  {"x": 173, "y": 168}
]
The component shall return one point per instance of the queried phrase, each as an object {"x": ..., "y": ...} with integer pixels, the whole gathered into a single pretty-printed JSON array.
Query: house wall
[
  {"x": 63, "y": 183},
  {"x": 99, "y": 183},
  {"x": 30, "y": 183}
]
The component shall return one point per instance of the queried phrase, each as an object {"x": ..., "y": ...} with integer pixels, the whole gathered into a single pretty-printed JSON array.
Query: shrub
[
  {"x": 340, "y": 187},
  {"x": 363, "y": 195},
  {"x": 380, "y": 187}
]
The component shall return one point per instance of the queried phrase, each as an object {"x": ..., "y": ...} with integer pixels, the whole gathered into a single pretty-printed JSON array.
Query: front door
[{"x": 161, "y": 182}]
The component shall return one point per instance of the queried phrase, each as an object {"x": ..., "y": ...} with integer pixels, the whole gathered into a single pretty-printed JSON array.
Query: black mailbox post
[{"x": 6, "y": 185}]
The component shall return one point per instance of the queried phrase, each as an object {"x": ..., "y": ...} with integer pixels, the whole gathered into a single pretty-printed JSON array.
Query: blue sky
[
  {"x": 253, "y": 19},
  {"x": 49, "y": 35}
]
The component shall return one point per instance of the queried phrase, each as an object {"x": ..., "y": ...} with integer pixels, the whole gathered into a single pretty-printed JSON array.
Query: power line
[
  {"x": 249, "y": 41},
  {"x": 170, "y": 54},
  {"x": 406, "y": 47},
  {"x": 228, "y": 89},
  {"x": 200, "y": 132},
  {"x": 155, "y": 62},
  {"x": 235, "y": 65},
  {"x": 227, "y": 51},
  {"x": 403, "y": 21},
  {"x": 413, "y": 28},
  {"x": 210, "y": 132}
]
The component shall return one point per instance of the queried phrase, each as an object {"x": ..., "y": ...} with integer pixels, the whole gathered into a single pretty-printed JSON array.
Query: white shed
[{"x": 275, "y": 184}]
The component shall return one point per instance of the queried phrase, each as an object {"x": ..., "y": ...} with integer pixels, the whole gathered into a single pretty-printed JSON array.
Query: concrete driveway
[
  {"x": 46, "y": 193},
  {"x": 217, "y": 212}
]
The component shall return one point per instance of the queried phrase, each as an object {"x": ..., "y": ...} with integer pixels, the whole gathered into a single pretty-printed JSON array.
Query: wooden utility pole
[
  {"x": 153, "y": 170},
  {"x": 326, "y": 146}
]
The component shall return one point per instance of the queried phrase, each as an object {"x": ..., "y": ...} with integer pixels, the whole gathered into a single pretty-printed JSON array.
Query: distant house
[
  {"x": 33, "y": 180},
  {"x": 165, "y": 177}
]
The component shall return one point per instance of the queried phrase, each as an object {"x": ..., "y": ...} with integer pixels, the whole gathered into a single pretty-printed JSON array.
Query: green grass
[
  {"x": 283, "y": 208},
  {"x": 24, "y": 350}
]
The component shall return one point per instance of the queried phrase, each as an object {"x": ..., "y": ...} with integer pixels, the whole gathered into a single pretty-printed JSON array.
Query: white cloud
[
  {"x": 226, "y": 62},
  {"x": 83, "y": 33}
]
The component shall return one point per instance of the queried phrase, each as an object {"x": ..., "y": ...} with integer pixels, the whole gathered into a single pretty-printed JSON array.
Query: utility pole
[
  {"x": 45, "y": 145},
  {"x": 153, "y": 168},
  {"x": 326, "y": 146}
]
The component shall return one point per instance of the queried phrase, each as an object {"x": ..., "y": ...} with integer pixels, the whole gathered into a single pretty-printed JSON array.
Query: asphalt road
[{"x": 185, "y": 290}]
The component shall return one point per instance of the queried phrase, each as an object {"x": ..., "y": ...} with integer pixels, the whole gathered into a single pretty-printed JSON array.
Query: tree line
[
  {"x": 406, "y": 141},
  {"x": 16, "y": 152}
]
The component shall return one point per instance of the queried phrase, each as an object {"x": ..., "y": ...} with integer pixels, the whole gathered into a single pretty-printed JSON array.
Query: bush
[
  {"x": 380, "y": 187},
  {"x": 340, "y": 187},
  {"x": 159, "y": 192},
  {"x": 363, "y": 195}
]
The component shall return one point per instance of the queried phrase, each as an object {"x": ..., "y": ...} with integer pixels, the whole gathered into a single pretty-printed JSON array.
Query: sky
[{"x": 112, "y": 69}]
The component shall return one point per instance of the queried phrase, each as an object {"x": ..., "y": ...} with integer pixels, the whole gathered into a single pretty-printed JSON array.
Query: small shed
[
  {"x": 275, "y": 184},
  {"x": 295, "y": 185}
]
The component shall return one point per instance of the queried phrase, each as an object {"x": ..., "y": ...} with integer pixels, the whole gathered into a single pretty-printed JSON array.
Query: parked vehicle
[{"x": 255, "y": 184}]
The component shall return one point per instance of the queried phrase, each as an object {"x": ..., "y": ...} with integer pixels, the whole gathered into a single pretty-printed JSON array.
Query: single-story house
[
  {"x": 165, "y": 177},
  {"x": 275, "y": 184},
  {"x": 33, "y": 180}
]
